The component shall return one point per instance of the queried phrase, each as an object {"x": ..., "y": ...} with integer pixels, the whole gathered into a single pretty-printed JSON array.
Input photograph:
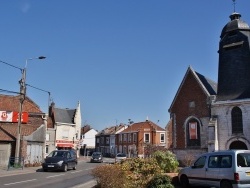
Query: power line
[
  {"x": 11, "y": 65},
  {"x": 7, "y": 91}
]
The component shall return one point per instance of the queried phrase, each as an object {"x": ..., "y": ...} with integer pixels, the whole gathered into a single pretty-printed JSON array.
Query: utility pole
[{"x": 22, "y": 83}]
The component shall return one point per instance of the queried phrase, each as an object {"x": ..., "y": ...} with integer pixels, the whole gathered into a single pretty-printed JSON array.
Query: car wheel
[
  {"x": 225, "y": 184},
  {"x": 65, "y": 168},
  {"x": 74, "y": 168},
  {"x": 184, "y": 181}
]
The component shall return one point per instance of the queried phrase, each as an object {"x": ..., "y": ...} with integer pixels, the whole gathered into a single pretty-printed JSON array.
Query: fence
[{"x": 16, "y": 163}]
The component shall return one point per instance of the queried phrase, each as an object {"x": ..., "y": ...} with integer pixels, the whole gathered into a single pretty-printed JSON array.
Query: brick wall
[{"x": 190, "y": 91}]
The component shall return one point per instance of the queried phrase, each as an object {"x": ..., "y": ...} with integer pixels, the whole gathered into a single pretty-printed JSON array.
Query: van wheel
[
  {"x": 74, "y": 168},
  {"x": 65, "y": 168},
  {"x": 225, "y": 184},
  {"x": 184, "y": 181}
]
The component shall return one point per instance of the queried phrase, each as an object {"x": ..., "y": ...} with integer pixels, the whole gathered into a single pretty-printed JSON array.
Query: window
[
  {"x": 191, "y": 104},
  {"x": 146, "y": 138},
  {"x": 124, "y": 137},
  {"x": 102, "y": 140},
  {"x": 134, "y": 137},
  {"x": 47, "y": 149},
  {"x": 193, "y": 133},
  {"x": 120, "y": 137},
  {"x": 237, "y": 126},
  {"x": 226, "y": 161},
  {"x": 129, "y": 137},
  {"x": 65, "y": 134},
  {"x": 162, "y": 138},
  {"x": 97, "y": 140},
  {"x": 47, "y": 137},
  {"x": 213, "y": 162},
  {"x": 200, "y": 163},
  {"x": 107, "y": 140},
  {"x": 243, "y": 160}
]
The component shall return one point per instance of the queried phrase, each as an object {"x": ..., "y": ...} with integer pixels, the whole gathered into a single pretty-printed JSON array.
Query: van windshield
[{"x": 243, "y": 159}]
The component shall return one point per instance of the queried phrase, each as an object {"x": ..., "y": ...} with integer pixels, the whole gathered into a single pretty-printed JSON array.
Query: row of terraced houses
[{"x": 130, "y": 139}]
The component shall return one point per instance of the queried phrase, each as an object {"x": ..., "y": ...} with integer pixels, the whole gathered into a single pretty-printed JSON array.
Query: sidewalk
[{"x": 27, "y": 170}]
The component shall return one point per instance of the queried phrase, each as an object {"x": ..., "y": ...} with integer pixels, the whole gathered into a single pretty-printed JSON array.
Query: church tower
[{"x": 234, "y": 60}]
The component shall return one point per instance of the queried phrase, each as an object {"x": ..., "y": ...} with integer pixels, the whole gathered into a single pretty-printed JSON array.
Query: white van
[{"x": 224, "y": 169}]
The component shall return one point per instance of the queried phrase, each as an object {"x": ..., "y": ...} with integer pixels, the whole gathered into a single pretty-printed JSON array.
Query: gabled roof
[
  {"x": 11, "y": 103},
  {"x": 135, "y": 127},
  {"x": 64, "y": 115},
  {"x": 208, "y": 86},
  {"x": 111, "y": 130},
  {"x": 8, "y": 131}
]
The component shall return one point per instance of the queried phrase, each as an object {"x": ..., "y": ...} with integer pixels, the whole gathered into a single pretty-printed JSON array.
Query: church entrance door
[{"x": 238, "y": 145}]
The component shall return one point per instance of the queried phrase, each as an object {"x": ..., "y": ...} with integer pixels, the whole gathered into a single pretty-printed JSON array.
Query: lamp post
[{"x": 22, "y": 83}]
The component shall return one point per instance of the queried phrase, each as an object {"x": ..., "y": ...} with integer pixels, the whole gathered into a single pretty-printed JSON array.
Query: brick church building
[{"x": 208, "y": 116}]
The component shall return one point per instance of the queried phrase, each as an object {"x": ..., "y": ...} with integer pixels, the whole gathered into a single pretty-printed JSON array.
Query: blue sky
[{"x": 122, "y": 59}]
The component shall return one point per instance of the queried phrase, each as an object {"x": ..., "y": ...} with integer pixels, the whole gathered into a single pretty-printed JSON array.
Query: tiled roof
[
  {"x": 111, "y": 130},
  {"x": 12, "y": 103},
  {"x": 8, "y": 131},
  {"x": 135, "y": 127},
  {"x": 64, "y": 115}
]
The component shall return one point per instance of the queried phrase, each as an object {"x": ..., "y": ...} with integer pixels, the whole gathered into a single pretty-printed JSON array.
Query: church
[{"x": 206, "y": 116}]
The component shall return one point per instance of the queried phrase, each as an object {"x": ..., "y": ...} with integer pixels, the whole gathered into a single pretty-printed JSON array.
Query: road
[{"x": 41, "y": 179}]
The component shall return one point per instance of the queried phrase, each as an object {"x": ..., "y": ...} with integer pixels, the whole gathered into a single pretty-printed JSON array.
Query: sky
[{"x": 121, "y": 59}]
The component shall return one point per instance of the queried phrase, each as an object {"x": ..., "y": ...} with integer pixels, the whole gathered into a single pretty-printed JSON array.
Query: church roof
[
  {"x": 208, "y": 86},
  {"x": 235, "y": 24}
]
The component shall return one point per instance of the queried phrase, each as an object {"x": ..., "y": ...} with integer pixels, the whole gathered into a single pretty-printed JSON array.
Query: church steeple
[{"x": 234, "y": 60}]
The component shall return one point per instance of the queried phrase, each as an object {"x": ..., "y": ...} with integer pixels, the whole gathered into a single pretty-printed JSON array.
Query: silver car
[
  {"x": 223, "y": 169},
  {"x": 119, "y": 157}
]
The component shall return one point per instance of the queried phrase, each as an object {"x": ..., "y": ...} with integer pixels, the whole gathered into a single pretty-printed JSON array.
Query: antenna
[{"x": 234, "y": 4}]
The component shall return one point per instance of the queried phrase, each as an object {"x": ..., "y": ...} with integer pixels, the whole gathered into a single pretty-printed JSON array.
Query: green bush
[
  {"x": 110, "y": 176},
  {"x": 160, "y": 181},
  {"x": 139, "y": 171},
  {"x": 166, "y": 160}
]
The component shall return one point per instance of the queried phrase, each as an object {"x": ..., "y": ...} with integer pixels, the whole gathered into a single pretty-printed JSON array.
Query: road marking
[
  {"x": 75, "y": 171},
  {"x": 20, "y": 182},
  {"x": 55, "y": 176}
]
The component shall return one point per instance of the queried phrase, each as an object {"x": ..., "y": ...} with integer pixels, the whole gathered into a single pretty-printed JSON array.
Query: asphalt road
[{"x": 40, "y": 179}]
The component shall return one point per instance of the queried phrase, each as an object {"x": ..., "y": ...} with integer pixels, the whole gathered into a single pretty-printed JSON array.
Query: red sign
[
  {"x": 9, "y": 116},
  {"x": 193, "y": 131}
]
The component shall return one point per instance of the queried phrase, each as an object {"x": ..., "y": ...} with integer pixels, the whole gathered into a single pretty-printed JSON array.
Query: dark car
[
  {"x": 60, "y": 160},
  {"x": 96, "y": 157}
]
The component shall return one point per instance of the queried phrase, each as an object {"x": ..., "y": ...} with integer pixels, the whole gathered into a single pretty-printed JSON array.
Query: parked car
[
  {"x": 60, "y": 160},
  {"x": 224, "y": 169},
  {"x": 96, "y": 157},
  {"x": 119, "y": 157}
]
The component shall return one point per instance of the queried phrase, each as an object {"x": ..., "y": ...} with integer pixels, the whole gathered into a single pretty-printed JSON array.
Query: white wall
[{"x": 89, "y": 138}]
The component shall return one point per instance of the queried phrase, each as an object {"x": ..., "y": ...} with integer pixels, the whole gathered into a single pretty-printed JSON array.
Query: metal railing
[{"x": 16, "y": 163}]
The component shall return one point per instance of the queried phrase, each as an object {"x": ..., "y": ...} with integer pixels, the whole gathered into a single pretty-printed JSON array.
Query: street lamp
[{"x": 22, "y": 83}]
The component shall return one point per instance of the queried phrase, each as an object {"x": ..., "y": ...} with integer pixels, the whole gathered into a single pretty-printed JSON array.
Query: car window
[
  {"x": 96, "y": 154},
  {"x": 200, "y": 163},
  {"x": 226, "y": 161},
  {"x": 213, "y": 162},
  {"x": 121, "y": 155},
  {"x": 68, "y": 155},
  {"x": 56, "y": 154},
  {"x": 243, "y": 159}
]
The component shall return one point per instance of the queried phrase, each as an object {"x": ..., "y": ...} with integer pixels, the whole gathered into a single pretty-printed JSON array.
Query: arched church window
[
  {"x": 193, "y": 133},
  {"x": 237, "y": 126}
]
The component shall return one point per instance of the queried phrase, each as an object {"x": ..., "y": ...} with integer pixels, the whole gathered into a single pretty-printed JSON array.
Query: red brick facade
[{"x": 190, "y": 103}]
